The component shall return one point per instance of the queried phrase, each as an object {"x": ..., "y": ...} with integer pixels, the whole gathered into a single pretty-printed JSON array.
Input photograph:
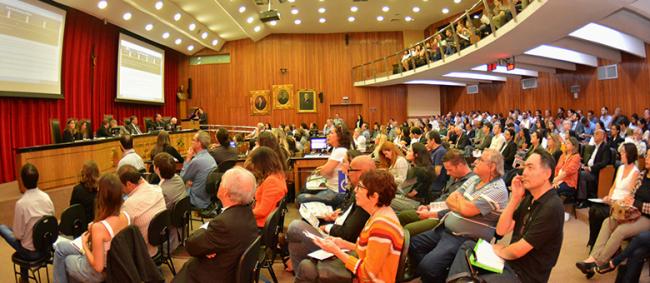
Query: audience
[
  {"x": 266, "y": 166},
  {"x": 415, "y": 190},
  {"x": 129, "y": 156},
  {"x": 359, "y": 140},
  {"x": 599, "y": 158},
  {"x": 163, "y": 144},
  {"x": 566, "y": 171},
  {"x": 391, "y": 159},
  {"x": 85, "y": 192},
  {"x": 222, "y": 151},
  {"x": 198, "y": 164}
]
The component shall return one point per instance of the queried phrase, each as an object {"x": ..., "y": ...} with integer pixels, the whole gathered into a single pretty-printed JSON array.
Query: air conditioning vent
[
  {"x": 529, "y": 83},
  {"x": 608, "y": 72},
  {"x": 472, "y": 89}
]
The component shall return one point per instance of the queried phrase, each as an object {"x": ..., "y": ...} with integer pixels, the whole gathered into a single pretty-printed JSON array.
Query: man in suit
[
  {"x": 157, "y": 124},
  {"x": 133, "y": 128},
  {"x": 216, "y": 249},
  {"x": 222, "y": 151},
  {"x": 463, "y": 139},
  {"x": 509, "y": 149},
  {"x": 599, "y": 158},
  {"x": 416, "y": 136}
]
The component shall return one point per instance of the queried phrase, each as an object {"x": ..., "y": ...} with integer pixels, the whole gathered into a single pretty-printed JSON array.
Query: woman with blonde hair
[
  {"x": 391, "y": 158},
  {"x": 379, "y": 141},
  {"x": 554, "y": 146}
]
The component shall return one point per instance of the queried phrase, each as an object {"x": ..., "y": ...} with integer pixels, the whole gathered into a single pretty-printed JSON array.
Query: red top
[
  {"x": 268, "y": 195},
  {"x": 571, "y": 166}
]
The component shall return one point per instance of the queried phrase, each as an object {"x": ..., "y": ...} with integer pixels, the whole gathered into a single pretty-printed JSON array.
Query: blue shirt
[{"x": 197, "y": 170}]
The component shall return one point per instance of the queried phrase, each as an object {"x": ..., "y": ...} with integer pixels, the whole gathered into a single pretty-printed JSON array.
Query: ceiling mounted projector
[{"x": 269, "y": 16}]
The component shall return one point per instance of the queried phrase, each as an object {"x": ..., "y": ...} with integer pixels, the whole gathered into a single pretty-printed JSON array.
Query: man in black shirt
[
  {"x": 536, "y": 215},
  {"x": 223, "y": 151}
]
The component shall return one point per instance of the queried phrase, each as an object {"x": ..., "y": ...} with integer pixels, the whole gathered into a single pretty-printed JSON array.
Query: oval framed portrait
[
  {"x": 260, "y": 103},
  {"x": 282, "y": 96}
]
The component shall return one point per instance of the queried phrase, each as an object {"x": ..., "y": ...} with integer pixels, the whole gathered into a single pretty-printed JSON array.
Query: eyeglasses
[
  {"x": 360, "y": 186},
  {"x": 350, "y": 169}
]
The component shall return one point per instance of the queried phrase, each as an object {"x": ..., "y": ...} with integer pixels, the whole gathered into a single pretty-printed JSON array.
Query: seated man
[
  {"x": 222, "y": 151},
  {"x": 157, "y": 124},
  {"x": 474, "y": 210},
  {"x": 198, "y": 164},
  {"x": 30, "y": 207},
  {"x": 129, "y": 156},
  {"x": 143, "y": 201},
  {"x": 133, "y": 127},
  {"x": 535, "y": 216},
  {"x": 588, "y": 178},
  {"x": 216, "y": 249},
  {"x": 347, "y": 225}
]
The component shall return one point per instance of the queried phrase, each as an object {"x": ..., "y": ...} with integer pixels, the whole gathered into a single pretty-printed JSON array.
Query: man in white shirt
[
  {"x": 359, "y": 140},
  {"x": 498, "y": 140},
  {"x": 129, "y": 156}
]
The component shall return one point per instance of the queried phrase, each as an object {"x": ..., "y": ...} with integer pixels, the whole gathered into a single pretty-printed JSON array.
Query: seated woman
[
  {"x": 84, "y": 133},
  {"x": 378, "y": 247},
  {"x": 265, "y": 164},
  {"x": 268, "y": 139},
  {"x": 89, "y": 266},
  {"x": 415, "y": 191},
  {"x": 163, "y": 144},
  {"x": 380, "y": 139},
  {"x": 85, "y": 192},
  {"x": 554, "y": 146},
  {"x": 391, "y": 158},
  {"x": 567, "y": 169},
  {"x": 70, "y": 132},
  {"x": 612, "y": 233}
]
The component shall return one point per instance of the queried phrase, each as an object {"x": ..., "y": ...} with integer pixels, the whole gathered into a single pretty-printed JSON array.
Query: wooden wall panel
[
  {"x": 631, "y": 91},
  {"x": 322, "y": 62}
]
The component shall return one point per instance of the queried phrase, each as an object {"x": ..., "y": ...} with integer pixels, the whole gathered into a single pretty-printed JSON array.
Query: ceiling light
[
  {"x": 249, "y": 20},
  {"x": 385, "y": 8},
  {"x": 192, "y": 26},
  {"x": 190, "y": 48},
  {"x": 178, "y": 41},
  {"x": 165, "y": 35},
  {"x": 504, "y": 70},
  {"x": 457, "y": 1},
  {"x": 351, "y": 19},
  {"x": 159, "y": 5},
  {"x": 353, "y": 9},
  {"x": 242, "y": 9},
  {"x": 273, "y": 23},
  {"x": 445, "y": 10},
  {"x": 474, "y": 76},
  {"x": 408, "y": 18},
  {"x": 257, "y": 28},
  {"x": 380, "y": 18},
  {"x": 322, "y": 20},
  {"x": 416, "y": 9},
  {"x": 297, "y": 21},
  {"x": 610, "y": 37},
  {"x": 126, "y": 16},
  {"x": 562, "y": 54},
  {"x": 177, "y": 16},
  {"x": 434, "y": 82},
  {"x": 294, "y": 11},
  {"x": 215, "y": 42},
  {"x": 321, "y": 10},
  {"x": 204, "y": 35},
  {"x": 102, "y": 4},
  {"x": 148, "y": 27}
]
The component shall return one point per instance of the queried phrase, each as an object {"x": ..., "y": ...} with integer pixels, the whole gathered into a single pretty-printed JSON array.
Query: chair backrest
[
  {"x": 605, "y": 180},
  {"x": 586, "y": 152},
  {"x": 148, "y": 123},
  {"x": 403, "y": 256},
  {"x": 73, "y": 221},
  {"x": 613, "y": 155},
  {"x": 271, "y": 229},
  {"x": 127, "y": 121},
  {"x": 248, "y": 262},
  {"x": 227, "y": 165},
  {"x": 181, "y": 212},
  {"x": 46, "y": 231},
  {"x": 158, "y": 231},
  {"x": 212, "y": 181},
  {"x": 55, "y": 131}
]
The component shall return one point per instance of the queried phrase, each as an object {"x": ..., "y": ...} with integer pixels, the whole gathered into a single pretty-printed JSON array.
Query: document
[
  {"x": 596, "y": 200},
  {"x": 485, "y": 258}
]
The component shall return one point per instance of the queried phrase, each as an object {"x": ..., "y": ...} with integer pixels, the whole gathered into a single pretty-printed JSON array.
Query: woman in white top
[
  {"x": 626, "y": 175},
  {"x": 87, "y": 263},
  {"x": 391, "y": 158}
]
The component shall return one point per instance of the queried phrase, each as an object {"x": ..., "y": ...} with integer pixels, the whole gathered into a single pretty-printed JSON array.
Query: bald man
[{"x": 347, "y": 225}]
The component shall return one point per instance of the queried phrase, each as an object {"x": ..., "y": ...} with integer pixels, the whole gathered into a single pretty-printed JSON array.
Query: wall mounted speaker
[
  {"x": 320, "y": 97},
  {"x": 347, "y": 39},
  {"x": 189, "y": 88}
]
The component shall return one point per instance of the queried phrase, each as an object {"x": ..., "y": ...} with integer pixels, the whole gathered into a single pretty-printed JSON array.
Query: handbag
[{"x": 624, "y": 213}]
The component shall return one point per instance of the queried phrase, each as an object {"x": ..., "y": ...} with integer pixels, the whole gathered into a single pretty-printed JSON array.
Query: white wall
[{"x": 422, "y": 100}]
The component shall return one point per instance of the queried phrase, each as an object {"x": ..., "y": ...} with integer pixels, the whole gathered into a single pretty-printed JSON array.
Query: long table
[
  {"x": 60, "y": 164},
  {"x": 302, "y": 168}
]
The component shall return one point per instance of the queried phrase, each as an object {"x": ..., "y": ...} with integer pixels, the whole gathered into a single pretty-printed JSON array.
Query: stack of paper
[
  {"x": 438, "y": 206},
  {"x": 485, "y": 258},
  {"x": 311, "y": 211}
]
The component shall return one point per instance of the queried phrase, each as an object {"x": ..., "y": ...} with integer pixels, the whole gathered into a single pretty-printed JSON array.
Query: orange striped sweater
[{"x": 379, "y": 246}]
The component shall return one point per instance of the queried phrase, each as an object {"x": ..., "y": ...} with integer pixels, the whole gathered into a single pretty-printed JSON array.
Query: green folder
[{"x": 487, "y": 260}]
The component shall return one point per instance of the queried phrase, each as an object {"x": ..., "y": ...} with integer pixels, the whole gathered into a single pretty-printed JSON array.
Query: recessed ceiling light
[
  {"x": 294, "y": 11},
  {"x": 257, "y": 28},
  {"x": 249, "y": 20},
  {"x": 408, "y": 18},
  {"x": 204, "y": 35},
  {"x": 354, "y": 9},
  {"x": 148, "y": 27},
  {"x": 380, "y": 18},
  {"x": 177, "y": 16},
  {"x": 322, "y": 20},
  {"x": 416, "y": 9},
  {"x": 242, "y": 9},
  {"x": 385, "y": 8},
  {"x": 445, "y": 10},
  {"x": 158, "y": 5},
  {"x": 215, "y": 42},
  {"x": 457, "y": 1},
  {"x": 165, "y": 35},
  {"x": 190, "y": 48},
  {"x": 126, "y": 16},
  {"x": 178, "y": 41},
  {"x": 351, "y": 19},
  {"x": 273, "y": 23},
  {"x": 192, "y": 26},
  {"x": 102, "y": 4},
  {"x": 321, "y": 10},
  {"x": 297, "y": 21}
]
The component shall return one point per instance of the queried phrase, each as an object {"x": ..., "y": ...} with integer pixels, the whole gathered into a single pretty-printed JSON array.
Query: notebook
[{"x": 485, "y": 258}]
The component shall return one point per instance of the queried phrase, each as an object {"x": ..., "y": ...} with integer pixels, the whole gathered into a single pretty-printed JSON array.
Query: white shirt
[
  {"x": 360, "y": 143},
  {"x": 130, "y": 157},
  {"x": 590, "y": 163},
  {"x": 30, "y": 207},
  {"x": 142, "y": 205},
  {"x": 338, "y": 154},
  {"x": 497, "y": 142}
]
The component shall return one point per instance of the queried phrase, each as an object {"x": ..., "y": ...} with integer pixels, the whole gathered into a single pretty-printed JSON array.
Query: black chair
[
  {"x": 180, "y": 218},
  {"x": 158, "y": 235},
  {"x": 45, "y": 232},
  {"x": 55, "y": 131},
  {"x": 227, "y": 165},
  {"x": 248, "y": 262},
  {"x": 401, "y": 267},
  {"x": 270, "y": 239},
  {"x": 73, "y": 221},
  {"x": 211, "y": 186}
]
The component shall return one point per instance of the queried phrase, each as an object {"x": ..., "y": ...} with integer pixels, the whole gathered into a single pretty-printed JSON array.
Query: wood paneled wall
[
  {"x": 631, "y": 91},
  {"x": 322, "y": 62}
]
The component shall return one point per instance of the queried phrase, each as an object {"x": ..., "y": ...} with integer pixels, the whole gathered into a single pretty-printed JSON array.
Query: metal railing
[{"x": 453, "y": 38}]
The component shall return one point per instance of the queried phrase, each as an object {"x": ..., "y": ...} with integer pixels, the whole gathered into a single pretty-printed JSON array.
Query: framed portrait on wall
[
  {"x": 260, "y": 103},
  {"x": 306, "y": 101},
  {"x": 282, "y": 96}
]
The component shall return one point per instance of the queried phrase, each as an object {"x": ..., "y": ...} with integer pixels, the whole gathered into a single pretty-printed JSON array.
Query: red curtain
[{"x": 89, "y": 79}]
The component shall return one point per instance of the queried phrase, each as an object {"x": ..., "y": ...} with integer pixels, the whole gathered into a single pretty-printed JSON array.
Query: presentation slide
[
  {"x": 31, "y": 43},
  {"x": 140, "y": 71}
]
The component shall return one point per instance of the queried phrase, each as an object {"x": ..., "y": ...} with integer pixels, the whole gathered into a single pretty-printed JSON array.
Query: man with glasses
[
  {"x": 535, "y": 216},
  {"x": 474, "y": 210},
  {"x": 198, "y": 165}
]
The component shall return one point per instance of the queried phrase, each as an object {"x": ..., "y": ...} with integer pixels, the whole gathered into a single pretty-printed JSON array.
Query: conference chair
[
  {"x": 180, "y": 218},
  {"x": 402, "y": 276},
  {"x": 148, "y": 124},
  {"x": 55, "y": 131},
  {"x": 45, "y": 233},
  {"x": 158, "y": 235},
  {"x": 73, "y": 221},
  {"x": 107, "y": 117},
  {"x": 248, "y": 262},
  {"x": 268, "y": 253}
]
